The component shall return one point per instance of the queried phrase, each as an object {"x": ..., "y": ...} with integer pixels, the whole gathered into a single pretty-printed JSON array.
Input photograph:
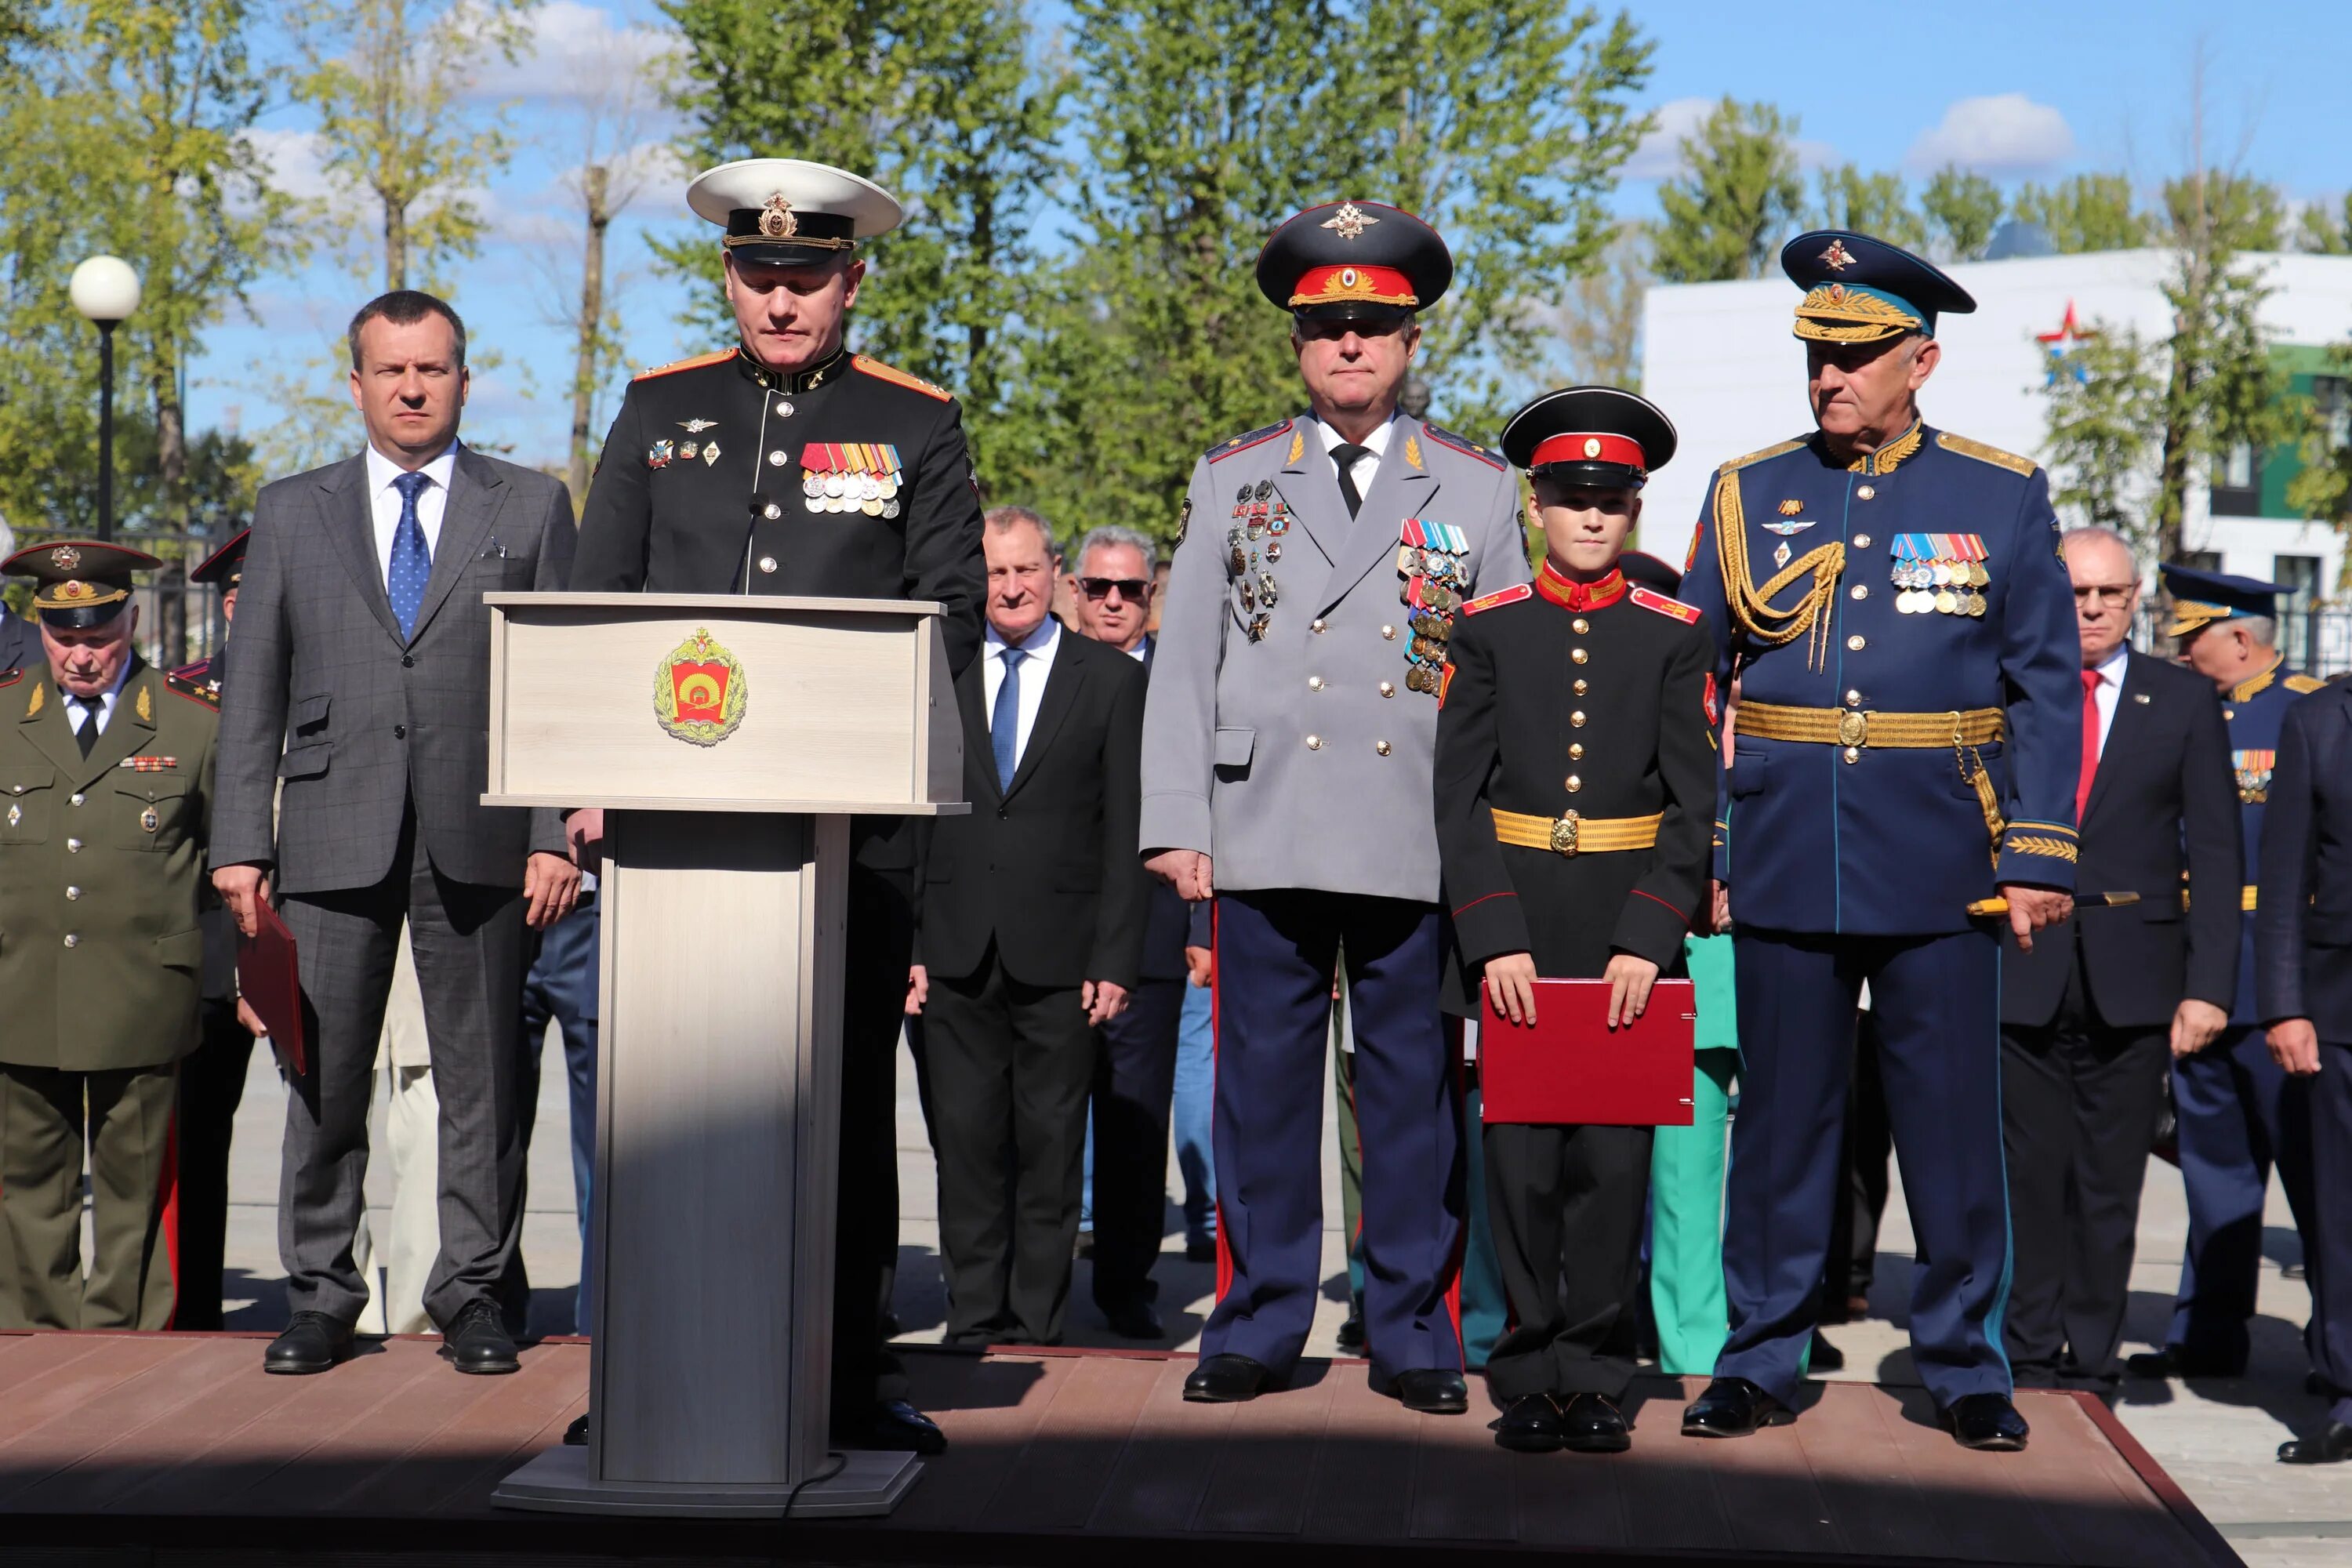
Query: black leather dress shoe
[
  {"x": 901, "y": 1428},
  {"x": 1531, "y": 1426},
  {"x": 2332, "y": 1447},
  {"x": 1351, "y": 1334},
  {"x": 1135, "y": 1320},
  {"x": 1986, "y": 1421},
  {"x": 1226, "y": 1380},
  {"x": 1430, "y": 1390},
  {"x": 2180, "y": 1360},
  {"x": 475, "y": 1340},
  {"x": 576, "y": 1435},
  {"x": 313, "y": 1343},
  {"x": 1589, "y": 1424},
  {"x": 1733, "y": 1408},
  {"x": 1826, "y": 1357}
]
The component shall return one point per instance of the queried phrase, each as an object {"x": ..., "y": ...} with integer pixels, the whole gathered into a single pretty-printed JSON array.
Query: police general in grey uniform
[
  {"x": 789, "y": 464},
  {"x": 1288, "y": 748}
]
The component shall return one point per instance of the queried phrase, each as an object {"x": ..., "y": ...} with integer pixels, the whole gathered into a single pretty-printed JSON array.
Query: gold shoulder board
[
  {"x": 1774, "y": 450},
  {"x": 697, "y": 363},
  {"x": 2303, "y": 683},
  {"x": 897, "y": 377},
  {"x": 1984, "y": 454}
]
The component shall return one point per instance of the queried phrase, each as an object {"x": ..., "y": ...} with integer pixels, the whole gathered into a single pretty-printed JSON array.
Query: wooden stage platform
[{"x": 178, "y": 1449}]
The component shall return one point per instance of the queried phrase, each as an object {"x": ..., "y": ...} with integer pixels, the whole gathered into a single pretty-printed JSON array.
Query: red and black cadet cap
[
  {"x": 79, "y": 582},
  {"x": 1354, "y": 261},
  {"x": 226, "y": 565},
  {"x": 1598, "y": 436}
]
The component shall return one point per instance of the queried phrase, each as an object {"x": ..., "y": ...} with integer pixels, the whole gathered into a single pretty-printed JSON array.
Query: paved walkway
[{"x": 2216, "y": 1437}]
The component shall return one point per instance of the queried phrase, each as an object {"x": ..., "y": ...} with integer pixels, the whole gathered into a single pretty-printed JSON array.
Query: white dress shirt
[
  {"x": 76, "y": 715},
  {"x": 1365, "y": 468},
  {"x": 1040, "y": 645},
  {"x": 383, "y": 502},
  {"x": 2110, "y": 691}
]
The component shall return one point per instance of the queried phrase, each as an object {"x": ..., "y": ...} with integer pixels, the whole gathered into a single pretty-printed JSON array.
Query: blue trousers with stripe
[
  {"x": 1937, "y": 1001},
  {"x": 1277, "y": 952}
]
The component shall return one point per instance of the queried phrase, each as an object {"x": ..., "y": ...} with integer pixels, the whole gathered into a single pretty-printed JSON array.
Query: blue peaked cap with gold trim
[
  {"x": 1863, "y": 291},
  {"x": 2200, "y": 598}
]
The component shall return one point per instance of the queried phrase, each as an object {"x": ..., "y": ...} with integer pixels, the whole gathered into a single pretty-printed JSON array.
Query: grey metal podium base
[{"x": 558, "y": 1482}]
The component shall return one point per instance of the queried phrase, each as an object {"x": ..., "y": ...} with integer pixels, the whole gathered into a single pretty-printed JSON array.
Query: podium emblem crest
[{"x": 700, "y": 690}]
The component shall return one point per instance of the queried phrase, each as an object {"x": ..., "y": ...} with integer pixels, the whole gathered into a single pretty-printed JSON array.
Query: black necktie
[
  {"x": 1347, "y": 453},
  {"x": 86, "y": 736}
]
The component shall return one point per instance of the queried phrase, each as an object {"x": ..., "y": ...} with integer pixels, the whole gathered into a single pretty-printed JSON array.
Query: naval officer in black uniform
[
  {"x": 1575, "y": 796},
  {"x": 786, "y": 464}
]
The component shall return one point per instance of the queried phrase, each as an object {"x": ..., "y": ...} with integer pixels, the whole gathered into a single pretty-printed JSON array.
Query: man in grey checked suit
[
  {"x": 359, "y": 678},
  {"x": 1286, "y": 758}
]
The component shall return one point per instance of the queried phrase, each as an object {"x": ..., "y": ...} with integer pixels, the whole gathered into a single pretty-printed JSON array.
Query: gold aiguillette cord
[{"x": 1750, "y": 606}]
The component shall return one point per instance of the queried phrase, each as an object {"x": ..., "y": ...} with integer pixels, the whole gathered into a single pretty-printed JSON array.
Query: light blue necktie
[
  {"x": 412, "y": 563},
  {"x": 1004, "y": 724}
]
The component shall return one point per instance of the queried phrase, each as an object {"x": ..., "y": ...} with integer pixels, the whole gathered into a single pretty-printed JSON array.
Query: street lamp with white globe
[{"x": 106, "y": 291}]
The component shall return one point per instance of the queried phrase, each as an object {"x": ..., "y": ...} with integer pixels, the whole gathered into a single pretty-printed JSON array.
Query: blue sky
[{"x": 2020, "y": 91}]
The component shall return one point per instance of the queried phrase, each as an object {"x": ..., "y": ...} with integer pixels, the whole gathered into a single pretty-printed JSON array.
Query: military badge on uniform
[
  {"x": 697, "y": 426},
  {"x": 15, "y": 814},
  {"x": 1789, "y": 530},
  {"x": 1940, "y": 572},
  {"x": 690, "y": 451},
  {"x": 700, "y": 690},
  {"x": 1183, "y": 520},
  {"x": 1432, "y": 560},
  {"x": 147, "y": 821},
  {"x": 146, "y": 705},
  {"x": 710, "y": 454},
  {"x": 851, "y": 476},
  {"x": 1837, "y": 257},
  {"x": 1350, "y": 222},
  {"x": 65, "y": 558},
  {"x": 659, "y": 454},
  {"x": 2253, "y": 769}
]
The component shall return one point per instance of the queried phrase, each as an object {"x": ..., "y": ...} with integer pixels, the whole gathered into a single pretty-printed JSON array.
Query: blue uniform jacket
[
  {"x": 1884, "y": 840},
  {"x": 2255, "y": 710}
]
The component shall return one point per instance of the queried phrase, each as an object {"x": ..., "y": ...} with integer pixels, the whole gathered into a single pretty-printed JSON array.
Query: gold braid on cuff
[{"x": 2052, "y": 849}]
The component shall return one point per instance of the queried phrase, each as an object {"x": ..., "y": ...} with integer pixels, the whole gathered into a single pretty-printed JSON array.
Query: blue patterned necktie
[
  {"x": 412, "y": 563},
  {"x": 1004, "y": 724}
]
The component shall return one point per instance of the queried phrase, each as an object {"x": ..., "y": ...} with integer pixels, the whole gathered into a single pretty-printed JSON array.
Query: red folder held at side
[
  {"x": 271, "y": 982},
  {"x": 1570, "y": 1069}
]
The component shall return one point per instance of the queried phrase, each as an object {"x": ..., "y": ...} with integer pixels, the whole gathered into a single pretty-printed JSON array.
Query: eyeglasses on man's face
[
  {"x": 1128, "y": 587},
  {"x": 2114, "y": 596}
]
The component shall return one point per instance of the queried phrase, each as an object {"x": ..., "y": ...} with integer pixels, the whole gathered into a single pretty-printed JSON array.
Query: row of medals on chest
[
  {"x": 874, "y": 492},
  {"x": 1253, "y": 543},
  {"x": 1941, "y": 587}
]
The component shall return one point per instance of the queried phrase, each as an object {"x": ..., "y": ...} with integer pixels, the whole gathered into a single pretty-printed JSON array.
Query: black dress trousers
[
  {"x": 1135, "y": 1081},
  {"x": 2079, "y": 1103},
  {"x": 878, "y": 951},
  {"x": 1567, "y": 1205}
]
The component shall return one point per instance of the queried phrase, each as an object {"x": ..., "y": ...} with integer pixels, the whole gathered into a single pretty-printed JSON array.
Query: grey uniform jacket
[
  {"x": 321, "y": 691},
  {"x": 1300, "y": 757}
]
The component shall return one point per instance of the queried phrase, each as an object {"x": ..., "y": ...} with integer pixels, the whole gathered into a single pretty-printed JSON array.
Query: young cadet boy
[{"x": 1575, "y": 798}]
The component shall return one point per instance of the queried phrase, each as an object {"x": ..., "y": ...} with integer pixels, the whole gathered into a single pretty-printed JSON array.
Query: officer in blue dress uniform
[
  {"x": 1287, "y": 745},
  {"x": 1906, "y": 745},
  {"x": 2234, "y": 1102}
]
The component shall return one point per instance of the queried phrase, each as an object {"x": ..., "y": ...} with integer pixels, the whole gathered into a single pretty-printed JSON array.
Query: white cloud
[
  {"x": 295, "y": 162},
  {"x": 1660, "y": 155},
  {"x": 571, "y": 51},
  {"x": 2008, "y": 133}
]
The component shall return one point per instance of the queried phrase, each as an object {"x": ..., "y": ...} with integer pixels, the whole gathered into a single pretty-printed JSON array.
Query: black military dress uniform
[
  {"x": 1575, "y": 791},
  {"x": 211, "y": 1076},
  {"x": 849, "y": 479}
]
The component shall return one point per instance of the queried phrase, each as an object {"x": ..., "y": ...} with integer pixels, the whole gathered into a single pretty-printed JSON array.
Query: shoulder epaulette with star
[
  {"x": 1650, "y": 599},
  {"x": 897, "y": 377},
  {"x": 1245, "y": 440},
  {"x": 203, "y": 696},
  {"x": 2303, "y": 683},
  {"x": 1774, "y": 450},
  {"x": 697, "y": 363},
  {"x": 1984, "y": 454},
  {"x": 1463, "y": 445},
  {"x": 1510, "y": 596}
]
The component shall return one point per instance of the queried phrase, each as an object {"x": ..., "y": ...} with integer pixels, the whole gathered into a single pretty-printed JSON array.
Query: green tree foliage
[
  {"x": 2087, "y": 212},
  {"x": 2105, "y": 411},
  {"x": 1960, "y": 211},
  {"x": 2325, "y": 231},
  {"x": 1875, "y": 205},
  {"x": 2322, "y": 487},
  {"x": 1739, "y": 194},
  {"x": 1600, "y": 320},
  {"x": 937, "y": 101},
  {"x": 123, "y": 134}
]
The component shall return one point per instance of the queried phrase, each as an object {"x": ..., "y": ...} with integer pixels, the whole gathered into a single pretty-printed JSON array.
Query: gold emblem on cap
[
  {"x": 777, "y": 220},
  {"x": 65, "y": 558},
  {"x": 1350, "y": 222},
  {"x": 72, "y": 588},
  {"x": 1837, "y": 257},
  {"x": 1592, "y": 446}
]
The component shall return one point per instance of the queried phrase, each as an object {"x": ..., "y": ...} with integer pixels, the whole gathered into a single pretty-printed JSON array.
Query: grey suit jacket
[
  {"x": 1302, "y": 758},
  {"x": 321, "y": 691}
]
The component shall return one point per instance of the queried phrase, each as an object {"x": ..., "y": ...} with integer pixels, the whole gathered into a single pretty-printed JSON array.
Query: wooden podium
[{"x": 729, "y": 739}]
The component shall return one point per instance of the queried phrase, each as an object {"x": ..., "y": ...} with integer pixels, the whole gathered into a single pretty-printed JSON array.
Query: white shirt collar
[
  {"x": 104, "y": 700},
  {"x": 1039, "y": 641},
  {"x": 2110, "y": 669},
  {"x": 1377, "y": 443},
  {"x": 382, "y": 470}
]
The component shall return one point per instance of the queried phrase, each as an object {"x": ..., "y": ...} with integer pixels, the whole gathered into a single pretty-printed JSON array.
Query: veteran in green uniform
[{"x": 106, "y": 778}]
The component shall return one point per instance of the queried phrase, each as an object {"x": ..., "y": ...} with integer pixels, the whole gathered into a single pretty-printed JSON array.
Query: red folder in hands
[
  {"x": 271, "y": 984},
  {"x": 1570, "y": 1069}
]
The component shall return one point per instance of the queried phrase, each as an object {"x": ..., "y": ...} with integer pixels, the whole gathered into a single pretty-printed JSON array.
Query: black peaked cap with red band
[
  {"x": 226, "y": 565},
  {"x": 1354, "y": 261},
  {"x": 1598, "y": 436}
]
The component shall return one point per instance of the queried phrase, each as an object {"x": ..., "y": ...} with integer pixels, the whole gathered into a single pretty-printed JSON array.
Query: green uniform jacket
[{"x": 101, "y": 868}]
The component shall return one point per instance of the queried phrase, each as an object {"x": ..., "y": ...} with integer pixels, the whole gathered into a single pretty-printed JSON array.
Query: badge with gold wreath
[{"x": 700, "y": 690}]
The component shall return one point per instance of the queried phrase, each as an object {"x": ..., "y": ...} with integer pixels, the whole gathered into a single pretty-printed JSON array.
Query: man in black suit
[
  {"x": 1135, "y": 1071},
  {"x": 1027, "y": 941},
  {"x": 20, "y": 643},
  {"x": 2086, "y": 1020},
  {"x": 2303, "y": 991}
]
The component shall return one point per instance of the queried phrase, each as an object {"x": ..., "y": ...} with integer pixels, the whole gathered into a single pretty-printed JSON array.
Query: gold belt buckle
[
  {"x": 1563, "y": 834},
  {"x": 1853, "y": 728}
]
